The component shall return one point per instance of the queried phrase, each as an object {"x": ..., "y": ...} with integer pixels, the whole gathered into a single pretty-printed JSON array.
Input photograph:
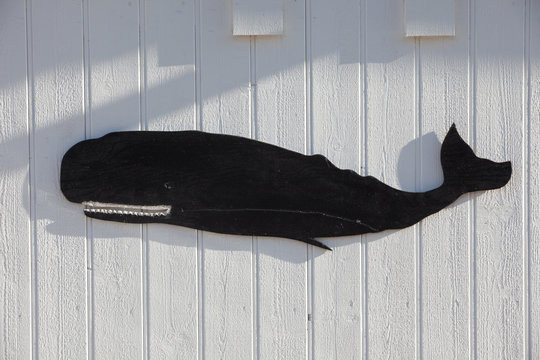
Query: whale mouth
[{"x": 91, "y": 207}]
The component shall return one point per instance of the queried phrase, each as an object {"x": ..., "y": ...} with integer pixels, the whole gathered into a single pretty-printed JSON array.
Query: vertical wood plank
[
  {"x": 444, "y": 236},
  {"x": 390, "y": 126},
  {"x": 114, "y": 105},
  {"x": 337, "y": 285},
  {"x": 59, "y": 243},
  {"x": 15, "y": 295},
  {"x": 226, "y": 260},
  {"x": 532, "y": 232},
  {"x": 499, "y": 245},
  {"x": 280, "y": 118},
  {"x": 172, "y": 250}
]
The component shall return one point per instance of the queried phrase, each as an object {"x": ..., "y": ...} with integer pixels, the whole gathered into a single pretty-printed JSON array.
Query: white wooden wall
[{"x": 342, "y": 80}]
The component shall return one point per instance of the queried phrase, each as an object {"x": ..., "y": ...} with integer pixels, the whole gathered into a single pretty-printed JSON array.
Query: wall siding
[
  {"x": 15, "y": 240},
  {"x": 343, "y": 81},
  {"x": 443, "y": 271},
  {"x": 168, "y": 98},
  {"x": 55, "y": 78}
]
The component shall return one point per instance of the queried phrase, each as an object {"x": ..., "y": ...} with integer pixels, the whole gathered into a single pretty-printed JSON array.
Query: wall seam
[
  {"x": 143, "y": 125},
  {"x": 308, "y": 149},
  {"x": 526, "y": 156},
  {"x": 30, "y": 103},
  {"x": 471, "y": 199},
  {"x": 363, "y": 140},
  {"x": 197, "y": 51},
  {"x": 143, "y": 121},
  {"x": 88, "y": 221},
  {"x": 198, "y": 126},
  {"x": 418, "y": 186},
  {"x": 254, "y": 239}
]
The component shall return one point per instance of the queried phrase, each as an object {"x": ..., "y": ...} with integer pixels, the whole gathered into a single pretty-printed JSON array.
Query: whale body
[{"x": 233, "y": 185}]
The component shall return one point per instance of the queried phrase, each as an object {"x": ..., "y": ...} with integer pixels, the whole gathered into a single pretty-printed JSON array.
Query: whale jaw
[{"x": 153, "y": 211}]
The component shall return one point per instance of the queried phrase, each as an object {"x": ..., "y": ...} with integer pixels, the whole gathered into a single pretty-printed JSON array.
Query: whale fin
[
  {"x": 312, "y": 242},
  {"x": 463, "y": 169}
]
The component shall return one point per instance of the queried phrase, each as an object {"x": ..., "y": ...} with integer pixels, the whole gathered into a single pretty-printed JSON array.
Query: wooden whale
[{"x": 233, "y": 185}]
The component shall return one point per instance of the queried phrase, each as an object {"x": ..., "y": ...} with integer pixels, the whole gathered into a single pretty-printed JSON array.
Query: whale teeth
[{"x": 132, "y": 210}]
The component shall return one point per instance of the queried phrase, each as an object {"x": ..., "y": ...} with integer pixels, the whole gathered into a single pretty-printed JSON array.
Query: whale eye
[{"x": 169, "y": 185}]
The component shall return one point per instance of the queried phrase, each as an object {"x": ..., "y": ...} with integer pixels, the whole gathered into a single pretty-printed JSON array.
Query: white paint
[
  {"x": 280, "y": 117},
  {"x": 531, "y": 195},
  {"x": 225, "y": 261},
  {"x": 171, "y": 251},
  {"x": 58, "y": 256},
  {"x": 430, "y": 17},
  {"x": 337, "y": 127},
  {"x": 342, "y": 81},
  {"x": 15, "y": 245},
  {"x": 117, "y": 268},
  {"x": 498, "y": 238},
  {"x": 257, "y": 17},
  {"x": 390, "y": 125},
  {"x": 444, "y": 243}
]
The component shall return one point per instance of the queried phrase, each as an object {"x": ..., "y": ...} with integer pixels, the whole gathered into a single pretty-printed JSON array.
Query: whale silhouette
[{"x": 233, "y": 185}]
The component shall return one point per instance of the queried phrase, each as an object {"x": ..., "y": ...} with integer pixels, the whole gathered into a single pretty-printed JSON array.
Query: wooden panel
[
  {"x": 532, "y": 230},
  {"x": 56, "y": 102},
  {"x": 172, "y": 251},
  {"x": 15, "y": 294},
  {"x": 390, "y": 126},
  {"x": 280, "y": 119},
  {"x": 225, "y": 260},
  {"x": 257, "y": 17},
  {"x": 499, "y": 127},
  {"x": 116, "y": 247},
  {"x": 337, "y": 283},
  {"x": 444, "y": 264},
  {"x": 532, "y": 173},
  {"x": 430, "y": 17}
]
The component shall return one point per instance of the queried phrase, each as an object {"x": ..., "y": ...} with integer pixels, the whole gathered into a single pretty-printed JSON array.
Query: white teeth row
[
  {"x": 134, "y": 210},
  {"x": 125, "y": 212}
]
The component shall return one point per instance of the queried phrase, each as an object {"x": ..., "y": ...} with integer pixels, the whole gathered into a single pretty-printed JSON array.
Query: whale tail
[{"x": 463, "y": 169}]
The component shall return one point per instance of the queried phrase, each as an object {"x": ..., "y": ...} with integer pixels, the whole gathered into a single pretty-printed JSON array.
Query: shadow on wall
[{"x": 428, "y": 172}]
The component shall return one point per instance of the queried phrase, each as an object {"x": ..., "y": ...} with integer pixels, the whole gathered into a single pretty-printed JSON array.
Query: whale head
[{"x": 116, "y": 177}]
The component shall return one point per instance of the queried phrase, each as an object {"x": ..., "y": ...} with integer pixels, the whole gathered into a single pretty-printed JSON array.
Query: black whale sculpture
[{"x": 232, "y": 185}]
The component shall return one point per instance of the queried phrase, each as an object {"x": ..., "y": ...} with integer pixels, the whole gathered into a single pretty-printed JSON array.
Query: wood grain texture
[
  {"x": 337, "y": 285},
  {"x": 226, "y": 260},
  {"x": 116, "y": 249},
  {"x": 15, "y": 249},
  {"x": 499, "y": 126},
  {"x": 59, "y": 228},
  {"x": 442, "y": 99},
  {"x": 390, "y": 125},
  {"x": 532, "y": 180},
  {"x": 280, "y": 118},
  {"x": 169, "y": 95}
]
